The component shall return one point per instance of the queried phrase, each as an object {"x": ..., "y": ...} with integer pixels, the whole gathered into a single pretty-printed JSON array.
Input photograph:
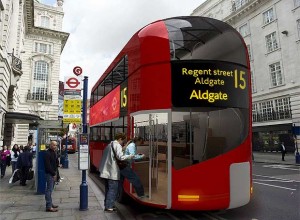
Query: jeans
[
  {"x": 134, "y": 179},
  {"x": 49, "y": 189},
  {"x": 13, "y": 166},
  {"x": 3, "y": 167},
  {"x": 111, "y": 191}
]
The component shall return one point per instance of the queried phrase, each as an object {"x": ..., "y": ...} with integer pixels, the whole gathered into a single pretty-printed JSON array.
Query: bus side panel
[
  {"x": 149, "y": 84},
  {"x": 208, "y": 187},
  {"x": 96, "y": 151},
  {"x": 149, "y": 88}
]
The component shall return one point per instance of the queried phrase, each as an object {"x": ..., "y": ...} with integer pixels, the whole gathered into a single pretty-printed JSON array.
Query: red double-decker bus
[{"x": 183, "y": 85}]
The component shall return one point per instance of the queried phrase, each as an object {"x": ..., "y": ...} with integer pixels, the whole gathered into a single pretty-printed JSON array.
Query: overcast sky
[{"x": 99, "y": 29}]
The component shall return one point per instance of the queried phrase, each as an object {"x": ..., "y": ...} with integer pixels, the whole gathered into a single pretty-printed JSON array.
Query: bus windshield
[
  {"x": 203, "y": 38},
  {"x": 202, "y": 134}
]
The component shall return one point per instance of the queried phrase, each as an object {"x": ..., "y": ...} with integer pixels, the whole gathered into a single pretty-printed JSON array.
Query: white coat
[{"x": 108, "y": 167}]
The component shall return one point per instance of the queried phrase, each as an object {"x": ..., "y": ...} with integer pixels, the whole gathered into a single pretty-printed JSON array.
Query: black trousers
[
  {"x": 24, "y": 175},
  {"x": 283, "y": 154},
  {"x": 57, "y": 175}
]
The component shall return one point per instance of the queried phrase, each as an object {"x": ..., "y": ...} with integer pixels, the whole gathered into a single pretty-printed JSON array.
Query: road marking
[
  {"x": 282, "y": 181},
  {"x": 283, "y": 167},
  {"x": 275, "y": 186},
  {"x": 277, "y": 178},
  {"x": 189, "y": 217},
  {"x": 213, "y": 216}
]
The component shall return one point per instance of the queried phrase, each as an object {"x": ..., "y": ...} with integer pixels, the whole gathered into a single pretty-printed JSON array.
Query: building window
[
  {"x": 237, "y": 4},
  {"x": 39, "y": 93},
  {"x": 275, "y": 109},
  {"x": 254, "y": 112},
  {"x": 271, "y": 42},
  {"x": 253, "y": 82},
  {"x": 43, "y": 48},
  {"x": 41, "y": 70},
  {"x": 297, "y": 3},
  {"x": 268, "y": 16},
  {"x": 249, "y": 51},
  {"x": 244, "y": 30},
  {"x": 283, "y": 107},
  {"x": 276, "y": 75},
  {"x": 298, "y": 26},
  {"x": 266, "y": 110},
  {"x": 45, "y": 21},
  {"x": 40, "y": 82}
]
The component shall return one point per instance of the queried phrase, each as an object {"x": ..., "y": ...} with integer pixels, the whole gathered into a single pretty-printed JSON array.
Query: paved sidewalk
[
  {"x": 274, "y": 157},
  {"x": 22, "y": 202}
]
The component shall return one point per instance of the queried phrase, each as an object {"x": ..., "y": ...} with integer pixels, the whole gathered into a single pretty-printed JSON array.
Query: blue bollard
[{"x": 40, "y": 174}]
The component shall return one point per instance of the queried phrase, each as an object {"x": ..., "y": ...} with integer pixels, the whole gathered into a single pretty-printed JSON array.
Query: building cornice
[
  {"x": 49, "y": 8},
  {"x": 200, "y": 7},
  {"x": 236, "y": 15},
  {"x": 31, "y": 29}
]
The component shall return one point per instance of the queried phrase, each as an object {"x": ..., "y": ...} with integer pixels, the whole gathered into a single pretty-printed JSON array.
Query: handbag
[
  {"x": 15, "y": 176},
  {"x": 30, "y": 174},
  {"x": 121, "y": 163}
]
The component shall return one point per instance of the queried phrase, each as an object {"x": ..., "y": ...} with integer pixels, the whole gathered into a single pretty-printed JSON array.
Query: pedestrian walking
[
  {"x": 4, "y": 154},
  {"x": 50, "y": 173},
  {"x": 24, "y": 163},
  {"x": 14, "y": 157},
  {"x": 283, "y": 151},
  {"x": 110, "y": 172},
  {"x": 34, "y": 150},
  {"x": 58, "y": 165}
]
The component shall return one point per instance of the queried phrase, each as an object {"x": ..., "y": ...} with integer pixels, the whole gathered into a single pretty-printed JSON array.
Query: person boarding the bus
[
  {"x": 127, "y": 172},
  {"x": 51, "y": 176},
  {"x": 110, "y": 172},
  {"x": 283, "y": 151}
]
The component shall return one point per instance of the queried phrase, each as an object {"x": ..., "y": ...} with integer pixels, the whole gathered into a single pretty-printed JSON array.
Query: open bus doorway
[{"x": 153, "y": 170}]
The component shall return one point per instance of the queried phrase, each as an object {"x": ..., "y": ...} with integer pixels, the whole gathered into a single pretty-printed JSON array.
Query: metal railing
[
  {"x": 36, "y": 96},
  {"x": 260, "y": 117}
]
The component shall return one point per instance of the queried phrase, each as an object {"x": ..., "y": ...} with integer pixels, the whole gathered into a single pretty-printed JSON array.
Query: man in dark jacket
[
  {"x": 50, "y": 170},
  {"x": 24, "y": 163}
]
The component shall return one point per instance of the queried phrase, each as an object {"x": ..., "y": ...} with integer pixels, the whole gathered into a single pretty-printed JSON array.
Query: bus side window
[{"x": 215, "y": 146}]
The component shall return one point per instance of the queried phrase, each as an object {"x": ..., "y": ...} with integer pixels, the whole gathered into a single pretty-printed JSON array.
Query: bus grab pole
[{"x": 83, "y": 206}]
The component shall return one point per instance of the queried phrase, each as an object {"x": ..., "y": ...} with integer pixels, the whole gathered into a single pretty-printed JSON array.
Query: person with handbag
[
  {"x": 110, "y": 171},
  {"x": 14, "y": 157},
  {"x": 24, "y": 163},
  {"x": 4, "y": 154}
]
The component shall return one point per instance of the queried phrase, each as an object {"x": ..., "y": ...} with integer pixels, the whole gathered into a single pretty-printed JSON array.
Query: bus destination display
[{"x": 209, "y": 84}]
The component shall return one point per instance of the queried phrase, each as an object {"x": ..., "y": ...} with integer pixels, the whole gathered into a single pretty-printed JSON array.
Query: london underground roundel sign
[{"x": 72, "y": 83}]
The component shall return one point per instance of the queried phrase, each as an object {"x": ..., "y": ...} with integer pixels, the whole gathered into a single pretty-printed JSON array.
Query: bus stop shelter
[{"x": 48, "y": 130}]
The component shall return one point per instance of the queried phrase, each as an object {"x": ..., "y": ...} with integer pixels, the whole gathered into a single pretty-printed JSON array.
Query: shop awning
[{"x": 21, "y": 118}]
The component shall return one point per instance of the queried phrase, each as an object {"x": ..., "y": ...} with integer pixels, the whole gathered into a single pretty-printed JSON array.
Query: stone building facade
[
  {"x": 271, "y": 30},
  {"x": 40, "y": 44}
]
